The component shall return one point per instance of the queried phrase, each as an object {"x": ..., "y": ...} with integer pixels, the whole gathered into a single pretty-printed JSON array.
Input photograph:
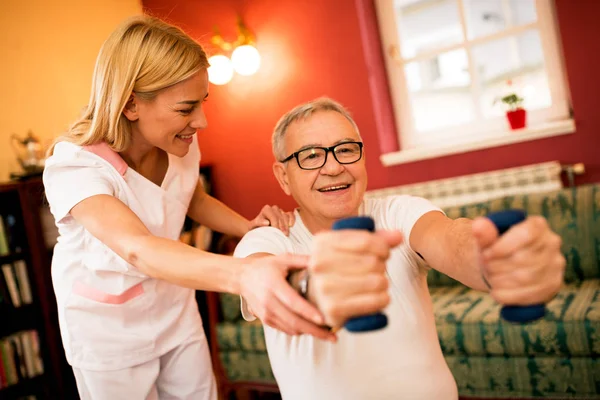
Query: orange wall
[
  {"x": 313, "y": 48},
  {"x": 48, "y": 54}
]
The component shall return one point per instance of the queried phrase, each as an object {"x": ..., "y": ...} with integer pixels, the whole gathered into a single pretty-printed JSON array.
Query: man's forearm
[{"x": 461, "y": 258}]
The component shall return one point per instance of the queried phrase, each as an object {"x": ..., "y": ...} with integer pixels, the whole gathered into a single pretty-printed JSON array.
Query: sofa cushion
[
  {"x": 574, "y": 214},
  {"x": 230, "y": 307},
  {"x": 468, "y": 323},
  {"x": 247, "y": 366},
  {"x": 526, "y": 377},
  {"x": 242, "y": 335}
]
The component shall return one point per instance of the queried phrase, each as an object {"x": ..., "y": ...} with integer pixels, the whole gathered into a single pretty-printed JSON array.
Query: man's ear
[
  {"x": 131, "y": 108},
  {"x": 282, "y": 177}
]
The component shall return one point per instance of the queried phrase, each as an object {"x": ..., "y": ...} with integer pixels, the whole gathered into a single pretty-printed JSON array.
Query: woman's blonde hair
[{"x": 143, "y": 55}]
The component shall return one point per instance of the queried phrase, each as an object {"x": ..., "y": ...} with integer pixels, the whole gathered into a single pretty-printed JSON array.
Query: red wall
[{"x": 313, "y": 48}]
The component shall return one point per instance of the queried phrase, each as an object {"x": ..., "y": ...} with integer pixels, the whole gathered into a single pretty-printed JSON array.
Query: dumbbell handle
[
  {"x": 368, "y": 322},
  {"x": 503, "y": 220},
  {"x": 522, "y": 314}
]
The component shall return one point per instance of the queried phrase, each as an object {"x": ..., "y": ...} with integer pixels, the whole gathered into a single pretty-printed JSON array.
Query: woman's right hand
[
  {"x": 275, "y": 217},
  {"x": 264, "y": 286}
]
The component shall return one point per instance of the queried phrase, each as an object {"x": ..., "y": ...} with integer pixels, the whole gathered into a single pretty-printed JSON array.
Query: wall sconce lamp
[{"x": 245, "y": 59}]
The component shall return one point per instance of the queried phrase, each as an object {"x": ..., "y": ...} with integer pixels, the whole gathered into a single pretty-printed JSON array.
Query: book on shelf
[
  {"x": 4, "y": 249},
  {"x": 4, "y": 292},
  {"x": 15, "y": 287},
  {"x": 20, "y": 358},
  {"x": 23, "y": 281}
]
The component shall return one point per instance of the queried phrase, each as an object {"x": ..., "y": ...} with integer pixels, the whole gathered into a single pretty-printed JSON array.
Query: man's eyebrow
[
  {"x": 192, "y": 102},
  {"x": 308, "y": 146},
  {"x": 348, "y": 139}
]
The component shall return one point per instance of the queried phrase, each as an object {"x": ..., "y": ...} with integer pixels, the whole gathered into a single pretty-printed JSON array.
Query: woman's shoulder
[
  {"x": 67, "y": 152},
  {"x": 65, "y": 149},
  {"x": 71, "y": 157}
]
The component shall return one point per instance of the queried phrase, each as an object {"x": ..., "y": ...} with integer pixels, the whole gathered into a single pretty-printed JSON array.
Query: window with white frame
[{"x": 448, "y": 61}]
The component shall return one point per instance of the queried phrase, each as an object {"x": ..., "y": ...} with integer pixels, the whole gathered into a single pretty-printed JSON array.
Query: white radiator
[{"x": 484, "y": 186}]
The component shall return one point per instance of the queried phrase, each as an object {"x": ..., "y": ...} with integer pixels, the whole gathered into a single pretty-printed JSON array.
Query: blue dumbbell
[
  {"x": 521, "y": 314},
  {"x": 368, "y": 322}
]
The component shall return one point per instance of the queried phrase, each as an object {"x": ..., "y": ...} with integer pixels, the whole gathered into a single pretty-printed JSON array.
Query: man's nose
[{"x": 332, "y": 166}]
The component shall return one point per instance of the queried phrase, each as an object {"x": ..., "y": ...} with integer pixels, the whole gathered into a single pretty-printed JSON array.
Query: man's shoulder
[
  {"x": 381, "y": 204},
  {"x": 262, "y": 232},
  {"x": 393, "y": 211},
  {"x": 263, "y": 240},
  {"x": 396, "y": 198}
]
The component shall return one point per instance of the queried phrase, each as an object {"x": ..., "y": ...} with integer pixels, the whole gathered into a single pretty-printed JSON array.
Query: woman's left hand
[{"x": 275, "y": 217}]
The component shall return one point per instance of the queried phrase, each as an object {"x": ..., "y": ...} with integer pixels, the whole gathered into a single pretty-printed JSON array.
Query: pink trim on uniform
[
  {"x": 91, "y": 293},
  {"x": 103, "y": 150}
]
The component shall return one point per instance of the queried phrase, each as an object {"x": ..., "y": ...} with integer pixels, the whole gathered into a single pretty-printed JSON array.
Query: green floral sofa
[{"x": 557, "y": 357}]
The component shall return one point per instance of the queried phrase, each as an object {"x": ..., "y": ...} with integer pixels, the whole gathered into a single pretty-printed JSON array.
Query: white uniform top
[
  {"x": 402, "y": 361},
  {"x": 111, "y": 315}
]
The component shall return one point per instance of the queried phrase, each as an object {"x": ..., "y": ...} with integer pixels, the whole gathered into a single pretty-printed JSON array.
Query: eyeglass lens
[{"x": 345, "y": 153}]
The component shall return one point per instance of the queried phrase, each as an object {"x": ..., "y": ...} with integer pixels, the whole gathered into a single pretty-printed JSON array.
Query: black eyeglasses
[{"x": 316, "y": 157}]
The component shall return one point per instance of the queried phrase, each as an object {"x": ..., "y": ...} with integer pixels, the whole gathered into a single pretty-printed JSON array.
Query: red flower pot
[{"x": 517, "y": 118}]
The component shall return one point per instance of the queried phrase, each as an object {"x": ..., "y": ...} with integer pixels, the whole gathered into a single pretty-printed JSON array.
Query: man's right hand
[
  {"x": 264, "y": 286},
  {"x": 348, "y": 273}
]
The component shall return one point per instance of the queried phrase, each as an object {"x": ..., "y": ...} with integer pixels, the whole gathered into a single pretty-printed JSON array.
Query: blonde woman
[{"x": 120, "y": 184}]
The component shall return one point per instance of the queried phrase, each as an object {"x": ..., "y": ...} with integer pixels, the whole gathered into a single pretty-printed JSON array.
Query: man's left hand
[{"x": 525, "y": 265}]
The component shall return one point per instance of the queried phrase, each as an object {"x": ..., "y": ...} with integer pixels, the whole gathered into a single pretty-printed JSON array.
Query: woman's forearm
[
  {"x": 115, "y": 225},
  {"x": 210, "y": 212},
  {"x": 187, "y": 266}
]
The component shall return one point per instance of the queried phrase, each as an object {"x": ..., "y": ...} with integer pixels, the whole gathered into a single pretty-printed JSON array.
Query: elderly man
[{"x": 321, "y": 163}]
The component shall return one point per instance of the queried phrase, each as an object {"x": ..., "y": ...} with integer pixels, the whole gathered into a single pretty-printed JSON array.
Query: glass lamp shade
[
  {"x": 220, "y": 71},
  {"x": 245, "y": 60}
]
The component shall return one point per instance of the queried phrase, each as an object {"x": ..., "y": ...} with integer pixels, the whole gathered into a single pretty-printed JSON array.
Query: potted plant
[{"x": 516, "y": 115}]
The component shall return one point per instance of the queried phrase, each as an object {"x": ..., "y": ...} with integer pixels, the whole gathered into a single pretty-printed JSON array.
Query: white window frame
[{"x": 555, "y": 120}]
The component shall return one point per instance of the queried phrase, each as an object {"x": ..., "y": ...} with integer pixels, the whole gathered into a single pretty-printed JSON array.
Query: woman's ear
[
  {"x": 131, "y": 108},
  {"x": 281, "y": 176}
]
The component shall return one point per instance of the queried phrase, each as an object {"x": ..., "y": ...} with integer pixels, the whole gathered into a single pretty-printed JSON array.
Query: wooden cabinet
[{"x": 37, "y": 368}]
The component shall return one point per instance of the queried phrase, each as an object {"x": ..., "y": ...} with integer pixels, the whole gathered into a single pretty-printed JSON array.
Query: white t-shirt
[
  {"x": 402, "y": 361},
  {"x": 111, "y": 315}
]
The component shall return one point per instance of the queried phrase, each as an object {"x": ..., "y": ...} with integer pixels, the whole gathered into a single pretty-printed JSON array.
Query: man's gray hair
[{"x": 302, "y": 112}]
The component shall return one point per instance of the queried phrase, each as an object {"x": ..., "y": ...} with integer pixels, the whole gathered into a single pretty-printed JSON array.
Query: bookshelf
[{"x": 32, "y": 362}]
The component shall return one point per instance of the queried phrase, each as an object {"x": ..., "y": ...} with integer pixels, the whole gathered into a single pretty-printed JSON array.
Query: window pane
[
  {"x": 425, "y": 25},
  {"x": 485, "y": 17},
  {"x": 512, "y": 64},
  {"x": 440, "y": 91}
]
